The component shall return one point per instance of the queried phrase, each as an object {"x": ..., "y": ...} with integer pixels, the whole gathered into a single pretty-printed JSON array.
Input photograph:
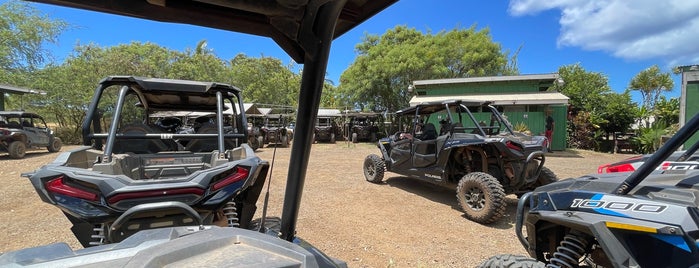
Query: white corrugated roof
[
  {"x": 329, "y": 112},
  {"x": 501, "y": 99},
  {"x": 508, "y": 78}
]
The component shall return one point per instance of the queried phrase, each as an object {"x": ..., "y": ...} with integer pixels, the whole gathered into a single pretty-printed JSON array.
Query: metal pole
[{"x": 316, "y": 34}]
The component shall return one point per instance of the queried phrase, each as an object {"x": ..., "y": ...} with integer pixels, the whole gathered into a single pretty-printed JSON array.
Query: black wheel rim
[
  {"x": 370, "y": 169},
  {"x": 475, "y": 198}
]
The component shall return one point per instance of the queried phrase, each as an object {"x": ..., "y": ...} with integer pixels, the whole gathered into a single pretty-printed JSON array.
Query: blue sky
[{"x": 617, "y": 38}]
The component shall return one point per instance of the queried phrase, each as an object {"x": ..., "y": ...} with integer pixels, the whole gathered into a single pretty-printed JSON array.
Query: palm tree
[{"x": 651, "y": 83}]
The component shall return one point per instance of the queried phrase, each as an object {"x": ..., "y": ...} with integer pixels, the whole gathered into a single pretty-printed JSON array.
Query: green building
[
  {"x": 524, "y": 99},
  {"x": 689, "y": 98}
]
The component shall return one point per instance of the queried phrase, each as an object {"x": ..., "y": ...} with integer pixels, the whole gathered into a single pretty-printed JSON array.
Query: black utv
[
  {"x": 326, "y": 129},
  {"x": 363, "y": 126},
  {"x": 645, "y": 218},
  {"x": 474, "y": 151},
  {"x": 276, "y": 130}
]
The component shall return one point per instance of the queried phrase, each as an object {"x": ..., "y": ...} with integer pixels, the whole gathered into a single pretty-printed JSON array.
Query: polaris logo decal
[
  {"x": 617, "y": 205},
  {"x": 437, "y": 177},
  {"x": 678, "y": 166}
]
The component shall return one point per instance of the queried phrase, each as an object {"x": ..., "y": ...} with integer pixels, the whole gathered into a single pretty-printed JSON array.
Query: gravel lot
[{"x": 400, "y": 223}]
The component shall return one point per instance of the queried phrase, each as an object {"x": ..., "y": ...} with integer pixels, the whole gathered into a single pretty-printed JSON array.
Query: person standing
[{"x": 549, "y": 128}]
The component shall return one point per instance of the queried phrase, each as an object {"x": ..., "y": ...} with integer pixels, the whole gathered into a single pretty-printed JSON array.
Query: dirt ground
[{"x": 400, "y": 223}]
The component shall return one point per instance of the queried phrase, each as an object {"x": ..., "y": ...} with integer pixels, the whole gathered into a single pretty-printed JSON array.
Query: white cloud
[{"x": 639, "y": 29}]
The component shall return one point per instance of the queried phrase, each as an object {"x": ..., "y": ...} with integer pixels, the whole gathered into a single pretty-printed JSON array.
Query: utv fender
[{"x": 19, "y": 136}]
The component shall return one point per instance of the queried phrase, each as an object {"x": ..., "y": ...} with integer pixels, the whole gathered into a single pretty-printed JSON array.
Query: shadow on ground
[
  {"x": 447, "y": 197},
  {"x": 29, "y": 155}
]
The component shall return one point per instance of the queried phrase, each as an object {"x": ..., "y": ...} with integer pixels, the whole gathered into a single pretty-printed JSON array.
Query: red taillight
[
  {"x": 58, "y": 186},
  {"x": 4, "y": 132},
  {"x": 513, "y": 146},
  {"x": 620, "y": 168},
  {"x": 154, "y": 193},
  {"x": 239, "y": 174}
]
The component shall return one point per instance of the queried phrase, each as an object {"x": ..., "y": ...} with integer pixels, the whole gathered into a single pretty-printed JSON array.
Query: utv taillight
[
  {"x": 4, "y": 132},
  {"x": 59, "y": 186},
  {"x": 239, "y": 174},
  {"x": 620, "y": 168},
  {"x": 513, "y": 145}
]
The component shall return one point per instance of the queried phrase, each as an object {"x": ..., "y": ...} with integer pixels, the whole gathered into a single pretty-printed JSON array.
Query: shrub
[{"x": 69, "y": 135}]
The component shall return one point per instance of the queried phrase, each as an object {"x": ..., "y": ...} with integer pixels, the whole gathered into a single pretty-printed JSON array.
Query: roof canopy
[
  {"x": 542, "y": 98},
  {"x": 283, "y": 20},
  {"x": 19, "y": 90}
]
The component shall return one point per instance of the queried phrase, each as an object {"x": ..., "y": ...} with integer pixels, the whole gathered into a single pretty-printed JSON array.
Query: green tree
[
  {"x": 265, "y": 80},
  {"x": 200, "y": 64},
  {"x": 378, "y": 79},
  {"x": 651, "y": 83},
  {"x": 24, "y": 31},
  {"x": 667, "y": 111},
  {"x": 617, "y": 112},
  {"x": 585, "y": 89}
]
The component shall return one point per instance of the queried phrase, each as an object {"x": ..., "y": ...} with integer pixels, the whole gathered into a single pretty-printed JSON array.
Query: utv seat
[
  {"x": 209, "y": 144},
  {"x": 429, "y": 132},
  {"x": 141, "y": 146},
  {"x": 425, "y": 150}
]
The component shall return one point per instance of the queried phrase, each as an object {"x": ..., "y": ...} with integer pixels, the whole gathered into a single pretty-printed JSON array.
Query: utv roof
[
  {"x": 162, "y": 94},
  {"x": 284, "y": 21},
  {"x": 360, "y": 114},
  {"x": 172, "y": 85},
  {"x": 18, "y": 114},
  {"x": 435, "y": 106}
]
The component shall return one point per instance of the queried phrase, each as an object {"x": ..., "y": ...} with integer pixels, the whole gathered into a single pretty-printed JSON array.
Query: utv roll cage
[{"x": 160, "y": 95}]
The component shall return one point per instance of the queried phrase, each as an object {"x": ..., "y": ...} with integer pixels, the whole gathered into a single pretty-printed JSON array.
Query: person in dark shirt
[{"x": 550, "y": 124}]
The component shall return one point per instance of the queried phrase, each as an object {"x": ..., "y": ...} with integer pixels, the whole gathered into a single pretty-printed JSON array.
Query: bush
[
  {"x": 650, "y": 139},
  {"x": 69, "y": 135},
  {"x": 582, "y": 134},
  {"x": 521, "y": 127}
]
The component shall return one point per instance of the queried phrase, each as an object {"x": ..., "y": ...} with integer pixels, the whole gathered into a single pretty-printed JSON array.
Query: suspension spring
[
  {"x": 97, "y": 235},
  {"x": 231, "y": 213},
  {"x": 571, "y": 249}
]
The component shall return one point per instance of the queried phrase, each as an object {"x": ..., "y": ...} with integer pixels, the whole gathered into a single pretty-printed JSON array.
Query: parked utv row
[{"x": 350, "y": 126}]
